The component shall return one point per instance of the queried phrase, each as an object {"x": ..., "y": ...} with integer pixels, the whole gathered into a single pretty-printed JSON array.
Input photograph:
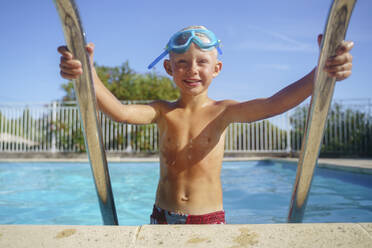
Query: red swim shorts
[{"x": 161, "y": 216}]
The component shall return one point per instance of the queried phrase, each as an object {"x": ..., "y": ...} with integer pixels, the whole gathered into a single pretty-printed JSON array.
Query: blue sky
[{"x": 266, "y": 44}]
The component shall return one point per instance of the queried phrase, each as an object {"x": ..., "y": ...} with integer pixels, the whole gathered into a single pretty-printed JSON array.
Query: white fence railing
[{"x": 56, "y": 127}]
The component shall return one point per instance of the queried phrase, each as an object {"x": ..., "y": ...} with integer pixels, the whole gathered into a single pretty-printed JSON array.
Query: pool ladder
[
  {"x": 334, "y": 33},
  {"x": 84, "y": 90}
]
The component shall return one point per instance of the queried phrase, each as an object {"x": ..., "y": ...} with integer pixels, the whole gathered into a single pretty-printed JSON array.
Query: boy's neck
[{"x": 193, "y": 102}]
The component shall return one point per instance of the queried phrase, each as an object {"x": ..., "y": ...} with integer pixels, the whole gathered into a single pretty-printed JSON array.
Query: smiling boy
[{"x": 192, "y": 129}]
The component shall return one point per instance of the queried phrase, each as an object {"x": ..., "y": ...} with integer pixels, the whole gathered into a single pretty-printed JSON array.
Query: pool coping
[
  {"x": 346, "y": 164},
  {"x": 351, "y": 165},
  {"x": 341, "y": 235}
]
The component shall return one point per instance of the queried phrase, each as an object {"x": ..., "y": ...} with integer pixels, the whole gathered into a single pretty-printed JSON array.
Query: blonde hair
[{"x": 194, "y": 27}]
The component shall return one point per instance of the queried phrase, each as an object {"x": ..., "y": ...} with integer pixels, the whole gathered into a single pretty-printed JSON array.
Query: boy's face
[{"x": 194, "y": 70}]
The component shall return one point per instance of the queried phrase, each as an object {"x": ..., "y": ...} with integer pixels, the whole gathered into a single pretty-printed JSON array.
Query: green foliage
[
  {"x": 70, "y": 92},
  {"x": 126, "y": 84},
  {"x": 68, "y": 137},
  {"x": 348, "y": 131}
]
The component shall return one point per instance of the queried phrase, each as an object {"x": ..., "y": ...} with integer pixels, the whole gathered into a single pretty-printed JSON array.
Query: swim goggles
[{"x": 181, "y": 41}]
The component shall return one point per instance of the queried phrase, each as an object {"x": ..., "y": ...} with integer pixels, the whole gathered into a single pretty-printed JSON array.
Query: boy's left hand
[{"x": 339, "y": 66}]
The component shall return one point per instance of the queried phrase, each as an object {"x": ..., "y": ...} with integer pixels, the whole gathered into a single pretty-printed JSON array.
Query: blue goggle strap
[{"x": 161, "y": 56}]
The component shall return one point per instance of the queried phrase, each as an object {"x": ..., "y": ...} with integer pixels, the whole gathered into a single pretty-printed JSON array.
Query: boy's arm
[
  {"x": 282, "y": 101},
  {"x": 338, "y": 66},
  {"x": 132, "y": 113},
  {"x": 107, "y": 102}
]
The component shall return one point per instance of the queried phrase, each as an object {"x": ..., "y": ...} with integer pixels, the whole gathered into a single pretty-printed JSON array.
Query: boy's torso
[{"x": 191, "y": 153}]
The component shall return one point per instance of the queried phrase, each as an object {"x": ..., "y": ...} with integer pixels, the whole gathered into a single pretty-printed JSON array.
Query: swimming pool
[{"x": 254, "y": 192}]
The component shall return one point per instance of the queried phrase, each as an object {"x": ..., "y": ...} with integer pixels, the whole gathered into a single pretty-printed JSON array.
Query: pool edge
[
  {"x": 257, "y": 235},
  {"x": 351, "y": 165}
]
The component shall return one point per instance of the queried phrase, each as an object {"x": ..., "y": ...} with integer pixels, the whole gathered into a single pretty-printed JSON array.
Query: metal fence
[{"x": 56, "y": 127}]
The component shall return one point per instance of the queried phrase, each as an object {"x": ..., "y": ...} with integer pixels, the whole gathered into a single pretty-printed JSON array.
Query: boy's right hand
[{"x": 71, "y": 68}]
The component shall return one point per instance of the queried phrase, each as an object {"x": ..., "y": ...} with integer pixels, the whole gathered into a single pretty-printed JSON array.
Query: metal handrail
[
  {"x": 335, "y": 30},
  {"x": 84, "y": 90}
]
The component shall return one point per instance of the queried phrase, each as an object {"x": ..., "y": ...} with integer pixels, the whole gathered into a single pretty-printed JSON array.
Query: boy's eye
[
  {"x": 203, "y": 61},
  {"x": 181, "y": 61}
]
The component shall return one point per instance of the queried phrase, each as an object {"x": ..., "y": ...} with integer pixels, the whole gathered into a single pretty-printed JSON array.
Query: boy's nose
[{"x": 193, "y": 68}]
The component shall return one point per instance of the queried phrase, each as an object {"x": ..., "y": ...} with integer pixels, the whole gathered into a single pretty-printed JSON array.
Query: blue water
[{"x": 254, "y": 192}]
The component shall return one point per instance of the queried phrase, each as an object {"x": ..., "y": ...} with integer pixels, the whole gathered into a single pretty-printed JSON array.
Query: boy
[{"x": 192, "y": 129}]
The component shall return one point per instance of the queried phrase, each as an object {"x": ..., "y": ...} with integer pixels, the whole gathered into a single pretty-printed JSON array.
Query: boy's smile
[
  {"x": 192, "y": 82},
  {"x": 194, "y": 70}
]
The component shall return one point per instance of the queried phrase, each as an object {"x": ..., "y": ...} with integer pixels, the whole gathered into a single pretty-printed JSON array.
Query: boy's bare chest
[{"x": 185, "y": 131}]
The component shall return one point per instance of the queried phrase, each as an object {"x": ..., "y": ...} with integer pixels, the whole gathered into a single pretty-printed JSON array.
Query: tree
[{"x": 126, "y": 84}]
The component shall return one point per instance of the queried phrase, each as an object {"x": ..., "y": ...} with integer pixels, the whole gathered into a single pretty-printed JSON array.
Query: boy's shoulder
[
  {"x": 163, "y": 106},
  {"x": 226, "y": 103}
]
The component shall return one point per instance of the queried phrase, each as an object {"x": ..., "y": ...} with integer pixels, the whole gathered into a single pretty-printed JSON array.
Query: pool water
[{"x": 254, "y": 192}]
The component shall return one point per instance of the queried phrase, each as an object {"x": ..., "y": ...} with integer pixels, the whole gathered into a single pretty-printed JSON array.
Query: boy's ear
[
  {"x": 217, "y": 68},
  {"x": 320, "y": 37},
  {"x": 168, "y": 67}
]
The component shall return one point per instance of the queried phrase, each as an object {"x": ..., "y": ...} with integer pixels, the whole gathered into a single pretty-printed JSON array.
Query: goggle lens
[{"x": 182, "y": 39}]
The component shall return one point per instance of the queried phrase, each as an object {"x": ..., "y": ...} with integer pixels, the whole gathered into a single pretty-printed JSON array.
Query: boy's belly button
[{"x": 184, "y": 198}]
